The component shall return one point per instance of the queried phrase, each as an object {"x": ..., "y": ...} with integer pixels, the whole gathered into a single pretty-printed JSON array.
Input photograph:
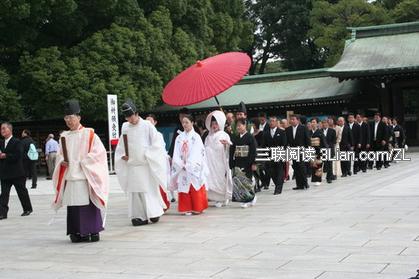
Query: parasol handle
[{"x": 218, "y": 103}]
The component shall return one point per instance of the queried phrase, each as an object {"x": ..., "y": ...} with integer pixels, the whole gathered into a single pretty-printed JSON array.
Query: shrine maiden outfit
[
  {"x": 219, "y": 180},
  {"x": 82, "y": 186},
  {"x": 144, "y": 176},
  {"x": 188, "y": 172}
]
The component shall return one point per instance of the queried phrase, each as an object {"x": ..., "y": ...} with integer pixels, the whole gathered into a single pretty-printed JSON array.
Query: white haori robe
[
  {"x": 86, "y": 178},
  {"x": 219, "y": 179},
  {"x": 188, "y": 163},
  {"x": 144, "y": 172}
]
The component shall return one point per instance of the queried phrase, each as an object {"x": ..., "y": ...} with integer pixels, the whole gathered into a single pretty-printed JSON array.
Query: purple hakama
[{"x": 84, "y": 220}]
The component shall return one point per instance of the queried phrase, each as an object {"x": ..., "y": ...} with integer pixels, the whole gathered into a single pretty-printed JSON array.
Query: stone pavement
[{"x": 364, "y": 226}]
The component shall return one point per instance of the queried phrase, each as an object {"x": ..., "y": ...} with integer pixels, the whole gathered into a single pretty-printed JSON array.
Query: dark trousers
[
  {"x": 345, "y": 165},
  {"x": 356, "y": 167},
  {"x": 275, "y": 171},
  {"x": 30, "y": 171},
  {"x": 328, "y": 169},
  {"x": 300, "y": 174},
  {"x": 362, "y": 164},
  {"x": 263, "y": 175},
  {"x": 377, "y": 146},
  {"x": 22, "y": 192}
]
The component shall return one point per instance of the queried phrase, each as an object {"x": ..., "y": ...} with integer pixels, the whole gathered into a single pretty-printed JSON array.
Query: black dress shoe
[
  {"x": 266, "y": 187},
  {"x": 334, "y": 177},
  {"x": 378, "y": 168},
  {"x": 49, "y": 178},
  {"x": 329, "y": 181},
  {"x": 94, "y": 237},
  {"x": 77, "y": 238},
  {"x": 349, "y": 173},
  {"x": 138, "y": 222},
  {"x": 344, "y": 175},
  {"x": 155, "y": 219},
  {"x": 3, "y": 217},
  {"x": 26, "y": 213},
  {"x": 307, "y": 186},
  {"x": 173, "y": 200},
  {"x": 33, "y": 187},
  {"x": 298, "y": 188},
  {"x": 364, "y": 170}
]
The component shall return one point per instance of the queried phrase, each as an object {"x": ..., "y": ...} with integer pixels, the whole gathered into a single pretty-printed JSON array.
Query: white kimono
[
  {"x": 188, "y": 163},
  {"x": 86, "y": 177},
  {"x": 219, "y": 179},
  {"x": 144, "y": 172}
]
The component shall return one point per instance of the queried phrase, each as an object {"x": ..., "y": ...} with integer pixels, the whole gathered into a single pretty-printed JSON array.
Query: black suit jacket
[
  {"x": 382, "y": 132},
  {"x": 12, "y": 166},
  {"x": 302, "y": 137},
  {"x": 347, "y": 139},
  {"x": 356, "y": 134},
  {"x": 279, "y": 139},
  {"x": 365, "y": 134},
  {"x": 330, "y": 137}
]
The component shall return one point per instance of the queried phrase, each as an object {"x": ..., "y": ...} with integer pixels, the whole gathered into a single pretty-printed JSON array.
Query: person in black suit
[
  {"x": 346, "y": 144},
  {"x": 357, "y": 139},
  {"x": 330, "y": 137},
  {"x": 297, "y": 136},
  {"x": 379, "y": 138},
  {"x": 28, "y": 164},
  {"x": 318, "y": 141},
  {"x": 12, "y": 172},
  {"x": 365, "y": 140},
  {"x": 275, "y": 137},
  {"x": 263, "y": 122}
]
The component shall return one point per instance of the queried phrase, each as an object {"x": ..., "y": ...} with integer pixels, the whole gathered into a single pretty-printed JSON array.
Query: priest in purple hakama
[{"x": 81, "y": 179}]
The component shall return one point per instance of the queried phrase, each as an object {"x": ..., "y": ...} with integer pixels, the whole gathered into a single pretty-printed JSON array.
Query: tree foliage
[{"x": 56, "y": 50}]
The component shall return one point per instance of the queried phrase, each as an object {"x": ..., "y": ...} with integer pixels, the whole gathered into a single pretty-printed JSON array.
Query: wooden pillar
[{"x": 397, "y": 102}]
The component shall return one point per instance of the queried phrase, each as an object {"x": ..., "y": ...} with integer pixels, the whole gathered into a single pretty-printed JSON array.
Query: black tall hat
[
  {"x": 242, "y": 107},
  {"x": 72, "y": 107},
  {"x": 128, "y": 108}
]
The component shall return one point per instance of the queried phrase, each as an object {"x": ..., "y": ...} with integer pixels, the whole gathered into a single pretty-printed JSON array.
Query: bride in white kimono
[
  {"x": 189, "y": 170},
  {"x": 217, "y": 146}
]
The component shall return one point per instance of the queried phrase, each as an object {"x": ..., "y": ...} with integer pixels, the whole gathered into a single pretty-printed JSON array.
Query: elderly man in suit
[
  {"x": 297, "y": 136},
  {"x": 12, "y": 172}
]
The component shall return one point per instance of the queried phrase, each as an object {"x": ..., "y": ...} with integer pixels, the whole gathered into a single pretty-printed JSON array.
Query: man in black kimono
[
  {"x": 379, "y": 138},
  {"x": 297, "y": 136},
  {"x": 346, "y": 144},
  {"x": 243, "y": 149},
  {"x": 12, "y": 172},
  {"x": 365, "y": 140},
  {"x": 357, "y": 138},
  {"x": 330, "y": 137},
  {"x": 275, "y": 137}
]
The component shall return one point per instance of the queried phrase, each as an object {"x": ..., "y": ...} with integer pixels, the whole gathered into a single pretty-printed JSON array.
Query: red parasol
[{"x": 206, "y": 79}]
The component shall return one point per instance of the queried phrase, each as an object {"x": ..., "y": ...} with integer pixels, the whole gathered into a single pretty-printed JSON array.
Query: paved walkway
[{"x": 365, "y": 226}]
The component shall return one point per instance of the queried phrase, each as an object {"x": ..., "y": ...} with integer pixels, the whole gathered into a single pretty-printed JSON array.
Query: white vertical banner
[{"x": 113, "y": 125}]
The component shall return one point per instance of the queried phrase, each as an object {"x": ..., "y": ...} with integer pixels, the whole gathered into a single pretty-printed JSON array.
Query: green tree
[
  {"x": 10, "y": 108},
  {"x": 406, "y": 10},
  {"x": 280, "y": 30},
  {"x": 330, "y": 21}
]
